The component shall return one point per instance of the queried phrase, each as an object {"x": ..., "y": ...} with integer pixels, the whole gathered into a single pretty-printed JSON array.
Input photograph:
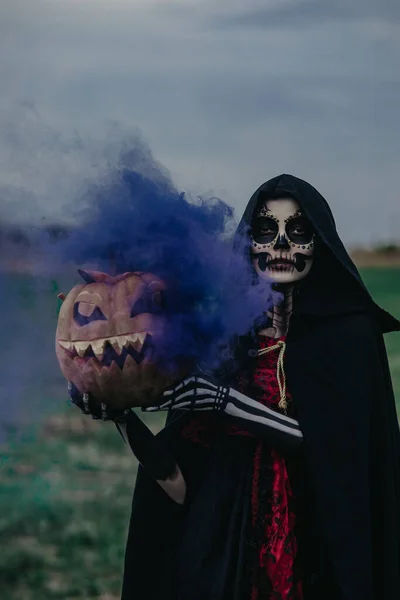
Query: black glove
[
  {"x": 149, "y": 450},
  {"x": 89, "y": 406}
]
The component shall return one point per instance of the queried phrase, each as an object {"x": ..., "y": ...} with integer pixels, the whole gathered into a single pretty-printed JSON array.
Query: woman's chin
[{"x": 282, "y": 276}]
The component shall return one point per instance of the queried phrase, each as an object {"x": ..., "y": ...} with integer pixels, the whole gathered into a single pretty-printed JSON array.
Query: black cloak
[{"x": 349, "y": 466}]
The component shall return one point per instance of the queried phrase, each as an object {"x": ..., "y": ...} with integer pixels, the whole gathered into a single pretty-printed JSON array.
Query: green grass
[
  {"x": 66, "y": 486},
  {"x": 384, "y": 285},
  {"x": 64, "y": 506}
]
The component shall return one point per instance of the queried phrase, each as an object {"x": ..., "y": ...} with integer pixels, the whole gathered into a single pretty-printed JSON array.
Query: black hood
[{"x": 334, "y": 285}]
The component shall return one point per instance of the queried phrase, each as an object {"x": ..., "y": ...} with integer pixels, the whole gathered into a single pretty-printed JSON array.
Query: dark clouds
[
  {"x": 306, "y": 13},
  {"x": 227, "y": 94}
]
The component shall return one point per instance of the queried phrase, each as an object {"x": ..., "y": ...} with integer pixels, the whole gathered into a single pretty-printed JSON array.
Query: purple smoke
[{"x": 133, "y": 222}]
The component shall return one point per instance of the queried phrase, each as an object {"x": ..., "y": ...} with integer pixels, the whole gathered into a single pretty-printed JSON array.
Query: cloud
[
  {"x": 308, "y": 13},
  {"x": 225, "y": 99}
]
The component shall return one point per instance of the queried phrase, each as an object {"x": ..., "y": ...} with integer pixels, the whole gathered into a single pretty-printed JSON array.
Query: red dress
[
  {"x": 277, "y": 551},
  {"x": 273, "y": 517}
]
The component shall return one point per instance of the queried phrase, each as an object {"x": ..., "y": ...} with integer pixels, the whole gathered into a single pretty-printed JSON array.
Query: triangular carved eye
[
  {"x": 80, "y": 319},
  {"x": 149, "y": 302}
]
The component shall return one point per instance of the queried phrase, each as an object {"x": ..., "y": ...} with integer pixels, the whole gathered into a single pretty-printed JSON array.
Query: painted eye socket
[
  {"x": 265, "y": 230},
  {"x": 149, "y": 302},
  {"x": 300, "y": 230},
  {"x": 81, "y": 319}
]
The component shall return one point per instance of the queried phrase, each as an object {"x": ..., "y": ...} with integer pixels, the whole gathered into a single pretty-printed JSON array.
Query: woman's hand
[
  {"x": 89, "y": 406},
  {"x": 200, "y": 393},
  {"x": 155, "y": 458}
]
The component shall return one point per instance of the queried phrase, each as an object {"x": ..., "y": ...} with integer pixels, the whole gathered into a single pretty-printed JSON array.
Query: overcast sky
[{"x": 227, "y": 93}]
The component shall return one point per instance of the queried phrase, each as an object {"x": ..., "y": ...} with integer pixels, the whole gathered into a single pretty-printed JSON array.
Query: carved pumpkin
[{"x": 107, "y": 332}]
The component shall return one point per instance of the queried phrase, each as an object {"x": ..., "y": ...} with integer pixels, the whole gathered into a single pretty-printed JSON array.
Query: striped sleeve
[{"x": 200, "y": 394}]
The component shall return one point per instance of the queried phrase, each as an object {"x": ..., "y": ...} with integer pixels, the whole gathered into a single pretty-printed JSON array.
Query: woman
[{"x": 293, "y": 477}]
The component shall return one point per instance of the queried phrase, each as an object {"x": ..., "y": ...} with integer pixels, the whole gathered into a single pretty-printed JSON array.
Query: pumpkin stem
[{"x": 87, "y": 276}]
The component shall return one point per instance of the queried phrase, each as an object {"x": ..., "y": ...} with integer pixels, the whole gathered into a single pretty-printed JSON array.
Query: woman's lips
[{"x": 280, "y": 264}]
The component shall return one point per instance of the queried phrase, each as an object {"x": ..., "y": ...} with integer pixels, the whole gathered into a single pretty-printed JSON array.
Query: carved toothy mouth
[{"x": 107, "y": 350}]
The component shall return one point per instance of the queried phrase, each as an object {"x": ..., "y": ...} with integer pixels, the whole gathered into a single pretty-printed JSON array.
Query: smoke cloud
[
  {"x": 74, "y": 200},
  {"x": 135, "y": 219}
]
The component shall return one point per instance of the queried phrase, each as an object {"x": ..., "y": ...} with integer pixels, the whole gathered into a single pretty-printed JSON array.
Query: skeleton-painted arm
[{"x": 199, "y": 393}]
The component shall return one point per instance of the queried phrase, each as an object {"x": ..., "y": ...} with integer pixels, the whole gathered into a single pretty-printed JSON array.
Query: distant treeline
[
  {"x": 26, "y": 236},
  {"x": 22, "y": 246}
]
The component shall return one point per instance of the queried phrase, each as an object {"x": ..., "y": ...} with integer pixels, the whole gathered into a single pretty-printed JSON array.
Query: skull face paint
[{"x": 282, "y": 241}]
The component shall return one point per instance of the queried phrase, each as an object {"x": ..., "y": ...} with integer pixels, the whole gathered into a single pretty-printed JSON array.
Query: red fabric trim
[{"x": 278, "y": 550}]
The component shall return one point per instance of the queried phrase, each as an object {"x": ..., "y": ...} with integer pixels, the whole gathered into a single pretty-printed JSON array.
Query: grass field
[
  {"x": 66, "y": 482},
  {"x": 384, "y": 285}
]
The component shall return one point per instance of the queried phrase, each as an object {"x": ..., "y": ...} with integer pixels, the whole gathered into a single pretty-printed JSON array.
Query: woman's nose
[{"x": 282, "y": 243}]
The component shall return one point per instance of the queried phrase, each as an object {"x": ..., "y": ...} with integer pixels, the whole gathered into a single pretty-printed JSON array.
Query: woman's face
[{"x": 282, "y": 241}]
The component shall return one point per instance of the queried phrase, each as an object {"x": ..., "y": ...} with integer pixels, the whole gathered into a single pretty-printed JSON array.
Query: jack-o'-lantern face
[{"x": 106, "y": 335}]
